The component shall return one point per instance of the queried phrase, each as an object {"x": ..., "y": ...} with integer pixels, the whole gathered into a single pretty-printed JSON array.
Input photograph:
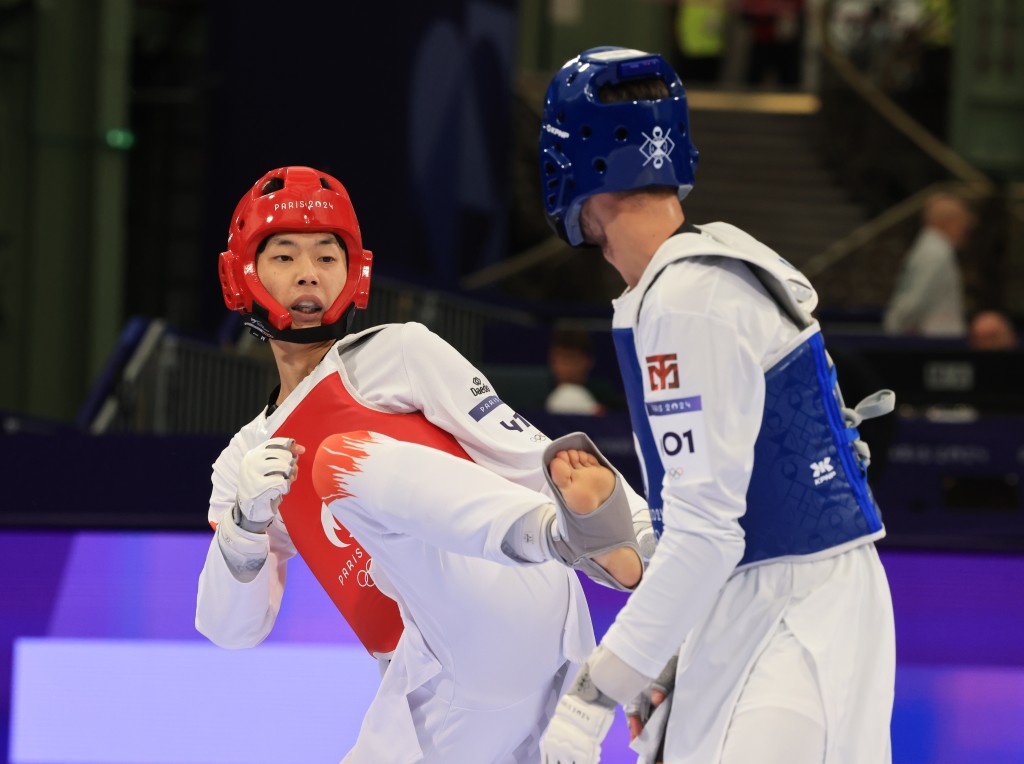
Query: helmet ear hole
[{"x": 621, "y": 134}]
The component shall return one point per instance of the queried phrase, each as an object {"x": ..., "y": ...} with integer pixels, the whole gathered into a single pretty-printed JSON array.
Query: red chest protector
[{"x": 335, "y": 558}]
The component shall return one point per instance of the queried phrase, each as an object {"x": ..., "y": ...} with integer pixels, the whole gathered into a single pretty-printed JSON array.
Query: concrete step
[
  {"x": 752, "y": 138},
  {"x": 769, "y": 209},
  {"x": 763, "y": 173},
  {"x": 717, "y": 187}
]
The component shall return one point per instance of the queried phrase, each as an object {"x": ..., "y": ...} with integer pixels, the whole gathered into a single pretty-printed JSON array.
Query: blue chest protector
[{"x": 808, "y": 491}]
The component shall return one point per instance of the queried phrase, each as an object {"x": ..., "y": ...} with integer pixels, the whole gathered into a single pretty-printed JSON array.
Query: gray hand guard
[{"x": 577, "y": 537}]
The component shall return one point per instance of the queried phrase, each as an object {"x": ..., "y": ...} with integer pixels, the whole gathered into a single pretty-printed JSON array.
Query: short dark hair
[
  {"x": 644, "y": 89},
  {"x": 572, "y": 339}
]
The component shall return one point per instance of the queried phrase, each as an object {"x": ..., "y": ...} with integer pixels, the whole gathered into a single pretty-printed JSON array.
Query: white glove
[
  {"x": 582, "y": 718},
  {"x": 265, "y": 475}
]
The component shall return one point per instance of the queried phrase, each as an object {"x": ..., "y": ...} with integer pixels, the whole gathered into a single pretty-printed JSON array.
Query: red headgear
[{"x": 309, "y": 201}]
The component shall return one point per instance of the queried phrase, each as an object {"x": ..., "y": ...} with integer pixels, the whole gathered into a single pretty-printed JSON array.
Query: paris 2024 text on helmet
[
  {"x": 292, "y": 199},
  {"x": 591, "y": 147}
]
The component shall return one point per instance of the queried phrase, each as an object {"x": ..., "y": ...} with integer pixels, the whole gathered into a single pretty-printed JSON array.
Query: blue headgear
[{"x": 588, "y": 147}]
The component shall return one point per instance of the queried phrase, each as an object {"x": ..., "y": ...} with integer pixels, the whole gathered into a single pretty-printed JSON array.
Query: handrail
[
  {"x": 541, "y": 252},
  {"x": 916, "y": 133},
  {"x": 769, "y": 103},
  {"x": 972, "y": 184},
  {"x": 889, "y": 219}
]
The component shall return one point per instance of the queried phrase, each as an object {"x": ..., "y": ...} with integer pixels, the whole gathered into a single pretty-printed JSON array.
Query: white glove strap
[
  {"x": 243, "y": 551},
  {"x": 243, "y": 522}
]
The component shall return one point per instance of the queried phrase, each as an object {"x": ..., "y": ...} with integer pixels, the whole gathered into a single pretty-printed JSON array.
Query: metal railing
[
  {"x": 173, "y": 385},
  {"x": 176, "y": 385},
  {"x": 891, "y": 163}
]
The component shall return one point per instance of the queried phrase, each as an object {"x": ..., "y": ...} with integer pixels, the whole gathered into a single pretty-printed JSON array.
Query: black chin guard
[{"x": 259, "y": 326}]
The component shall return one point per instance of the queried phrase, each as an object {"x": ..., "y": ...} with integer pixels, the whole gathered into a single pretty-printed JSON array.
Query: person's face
[
  {"x": 305, "y": 272},
  {"x": 961, "y": 226},
  {"x": 570, "y": 365},
  {"x": 991, "y": 332}
]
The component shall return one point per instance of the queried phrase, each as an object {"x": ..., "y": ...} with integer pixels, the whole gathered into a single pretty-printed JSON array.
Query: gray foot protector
[{"x": 579, "y": 537}]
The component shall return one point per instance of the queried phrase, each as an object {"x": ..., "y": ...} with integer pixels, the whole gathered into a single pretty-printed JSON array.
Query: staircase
[{"x": 761, "y": 171}]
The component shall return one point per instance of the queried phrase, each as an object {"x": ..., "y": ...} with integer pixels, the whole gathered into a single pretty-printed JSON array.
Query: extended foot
[{"x": 584, "y": 483}]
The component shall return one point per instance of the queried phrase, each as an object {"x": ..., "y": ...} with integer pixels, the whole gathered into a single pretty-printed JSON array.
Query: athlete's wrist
[{"x": 245, "y": 523}]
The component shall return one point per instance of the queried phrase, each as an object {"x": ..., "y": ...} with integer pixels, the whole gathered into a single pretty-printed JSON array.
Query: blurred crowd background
[{"x": 129, "y": 128}]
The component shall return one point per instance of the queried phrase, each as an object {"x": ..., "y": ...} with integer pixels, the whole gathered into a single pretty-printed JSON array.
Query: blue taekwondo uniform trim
[
  {"x": 650, "y": 461},
  {"x": 808, "y": 492}
]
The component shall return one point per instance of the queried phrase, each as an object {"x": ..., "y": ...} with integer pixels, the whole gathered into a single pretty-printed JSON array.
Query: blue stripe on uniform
[{"x": 633, "y": 382}]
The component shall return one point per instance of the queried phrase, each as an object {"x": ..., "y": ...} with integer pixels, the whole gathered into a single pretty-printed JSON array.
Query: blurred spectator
[
  {"x": 928, "y": 299},
  {"x": 776, "y": 40},
  {"x": 571, "y": 359},
  {"x": 991, "y": 330},
  {"x": 905, "y": 48},
  {"x": 575, "y": 389},
  {"x": 869, "y": 40},
  {"x": 700, "y": 29},
  {"x": 885, "y": 49}
]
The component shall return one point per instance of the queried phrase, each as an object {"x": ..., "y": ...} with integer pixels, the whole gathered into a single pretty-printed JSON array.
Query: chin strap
[{"x": 259, "y": 326}]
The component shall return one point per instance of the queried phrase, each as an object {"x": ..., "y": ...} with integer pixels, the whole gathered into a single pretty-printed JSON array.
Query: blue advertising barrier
[{"x": 939, "y": 484}]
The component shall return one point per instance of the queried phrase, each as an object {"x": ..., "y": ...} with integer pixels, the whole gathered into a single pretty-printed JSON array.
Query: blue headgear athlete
[
  {"x": 588, "y": 146},
  {"x": 765, "y": 585}
]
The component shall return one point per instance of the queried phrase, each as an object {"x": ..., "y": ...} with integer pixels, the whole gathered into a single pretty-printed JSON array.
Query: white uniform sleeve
[
  {"x": 431, "y": 376},
  {"x": 704, "y": 393},
  {"x": 230, "y": 612}
]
